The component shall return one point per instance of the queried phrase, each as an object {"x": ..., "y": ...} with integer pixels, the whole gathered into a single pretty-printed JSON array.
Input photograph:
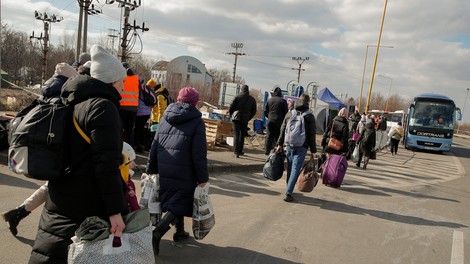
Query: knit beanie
[
  {"x": 84, "y": 57},
  {"x": 151, "y": 83},
  {"x": 105, "y": 67},
  {"x": 65, "y": 70},
  {"x": 188, "y": 95}
]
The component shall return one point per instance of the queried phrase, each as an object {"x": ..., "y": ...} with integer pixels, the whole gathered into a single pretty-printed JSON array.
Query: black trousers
[
  {"x": 394, "y": 145},
  {"x": 141, "y": 133},
  {"x": 274, "y": 129},
  {"x": 128, "y": 124},
  {"x": 239, "y": 134}
]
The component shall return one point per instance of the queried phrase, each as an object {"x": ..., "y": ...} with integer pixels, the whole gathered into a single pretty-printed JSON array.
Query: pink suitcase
[{"x": 334, "y": 170}]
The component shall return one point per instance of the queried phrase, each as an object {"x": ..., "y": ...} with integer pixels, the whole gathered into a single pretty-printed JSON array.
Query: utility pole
[
  {"x": 46, "y": 19},
  {"x": 112, "y": 34},
  {"x": 236, "y": 46},
  {"x": 128, "y": 7},
  {"x": 86, "y": 8},
  {"x": 299, "y": 60}
]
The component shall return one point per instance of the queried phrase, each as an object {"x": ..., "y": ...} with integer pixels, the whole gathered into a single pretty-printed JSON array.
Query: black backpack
[
  {"x": 168, "y": 98},
  {"x": 38, "y": 139}
]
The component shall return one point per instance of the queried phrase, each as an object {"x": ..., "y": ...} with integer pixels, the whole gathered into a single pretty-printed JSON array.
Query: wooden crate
[{"x": 212, "y": 128}]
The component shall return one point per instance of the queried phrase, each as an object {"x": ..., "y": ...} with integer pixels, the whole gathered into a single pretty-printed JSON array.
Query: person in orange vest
[{"x": 129, "y": 103}]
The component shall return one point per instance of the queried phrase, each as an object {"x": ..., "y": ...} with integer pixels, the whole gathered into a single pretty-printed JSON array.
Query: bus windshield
[{"x": 433, "y": 115}]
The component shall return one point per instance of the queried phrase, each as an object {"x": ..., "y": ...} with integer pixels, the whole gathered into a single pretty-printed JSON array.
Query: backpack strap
[{"x": 79, "y": 129}]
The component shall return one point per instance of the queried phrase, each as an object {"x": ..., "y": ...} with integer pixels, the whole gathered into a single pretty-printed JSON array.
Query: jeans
[
  {"x": 239, "y": 134},
  {"x": 295, "y": 161}
]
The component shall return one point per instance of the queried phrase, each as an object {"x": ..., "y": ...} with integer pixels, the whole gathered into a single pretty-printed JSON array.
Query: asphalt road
[{"x": 410, "y": 208}]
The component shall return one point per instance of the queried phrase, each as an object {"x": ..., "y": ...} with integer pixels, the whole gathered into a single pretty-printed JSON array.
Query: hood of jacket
[
  {"x": 179, "y": 112},
  {"x": 341, "y": 119},
  {"x": 83, "y": 87}
]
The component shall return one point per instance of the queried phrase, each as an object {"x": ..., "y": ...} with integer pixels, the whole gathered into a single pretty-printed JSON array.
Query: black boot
[
  {"x": 180, "y": 234},
  {"x": 162, "y": 227},
  {"x": 13, "y": 217}
]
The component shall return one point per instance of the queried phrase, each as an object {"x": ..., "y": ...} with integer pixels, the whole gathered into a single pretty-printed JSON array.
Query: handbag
[
  {"x": 355, "y": 136},
  {"x": 274, "y": 166},
  {"x": 93, "y": 243},
  {"x": 308, "y": 177},
  {"x": 203, "y": 212},
  {"x": 236, "y": 115},
  {"x": 334, "y": 143}
]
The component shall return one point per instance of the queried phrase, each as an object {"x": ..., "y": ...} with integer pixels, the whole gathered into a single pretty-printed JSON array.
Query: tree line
[{"x": 21, "y": 58}]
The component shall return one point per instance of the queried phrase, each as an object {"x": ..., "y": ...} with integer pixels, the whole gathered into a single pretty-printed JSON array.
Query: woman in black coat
[
  {"x": 339, "y": 129},
  {"x": 93, "y": 186},
  {"x": 179, "y": 155},
  {"x": 366, "y": 143}
]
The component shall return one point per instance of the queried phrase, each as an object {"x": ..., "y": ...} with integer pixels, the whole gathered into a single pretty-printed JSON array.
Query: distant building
[{"x": 182, "y": 71}]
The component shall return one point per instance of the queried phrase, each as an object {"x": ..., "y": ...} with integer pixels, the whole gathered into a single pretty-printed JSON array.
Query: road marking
[{"x": 457, "y": 248}]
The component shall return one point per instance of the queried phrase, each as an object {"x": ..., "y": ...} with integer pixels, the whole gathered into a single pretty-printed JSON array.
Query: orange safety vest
[{"x": 130, "y": 95}]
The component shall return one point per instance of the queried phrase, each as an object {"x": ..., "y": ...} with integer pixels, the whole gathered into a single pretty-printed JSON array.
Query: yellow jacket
[{"x": 160, "y": 107}]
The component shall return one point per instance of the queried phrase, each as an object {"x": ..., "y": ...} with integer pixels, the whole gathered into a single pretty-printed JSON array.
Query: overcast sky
[{"x": 430, "y": 39}]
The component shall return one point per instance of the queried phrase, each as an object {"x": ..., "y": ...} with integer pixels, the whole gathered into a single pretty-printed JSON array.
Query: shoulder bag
[{"x": 333, "y": 143}]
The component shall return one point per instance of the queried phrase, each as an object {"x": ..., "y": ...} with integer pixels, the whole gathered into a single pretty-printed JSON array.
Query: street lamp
[
  {"x": 389, "y": 90},
  {"x": 376, "y": 56},
  {"x": 463, "y": 110},
  {"x": 364, "y": 71}
]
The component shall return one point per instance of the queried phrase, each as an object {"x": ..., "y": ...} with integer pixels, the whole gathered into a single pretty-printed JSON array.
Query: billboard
[{"x": 228, "y": 91}]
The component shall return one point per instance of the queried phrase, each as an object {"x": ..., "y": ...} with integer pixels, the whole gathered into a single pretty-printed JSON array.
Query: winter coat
[
  {"x": 340, "y": 132},
  {"x": 160, "y": 107},
  {"x": 142, "y": 109},
  {"x": 245, "y": 104},
  {"x": 276, "y": 108},
  {"x": 382, "y": 125},
  {"x": 179, "y": 156},
  {"x": 52, "y": 87},
  {"x": 396, "y": 132},
  {"x": 367, "y": 139},
  {"x": 94, "y": 186},
  {"x": 310, "y": 129}
]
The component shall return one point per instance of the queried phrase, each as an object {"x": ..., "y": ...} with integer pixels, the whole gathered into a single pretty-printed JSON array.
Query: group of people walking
[{"x": 106, "y": 111}]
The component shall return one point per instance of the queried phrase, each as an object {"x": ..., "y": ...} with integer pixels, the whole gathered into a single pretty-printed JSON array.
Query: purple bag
[
  {"x": 334, "y": 170},
  {"x": 355, "y": 136}
]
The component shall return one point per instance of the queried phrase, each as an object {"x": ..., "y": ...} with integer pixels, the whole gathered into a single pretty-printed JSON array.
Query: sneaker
[
  {"x": 288, "y": 198},
  {"x": 180, "y": 235}
]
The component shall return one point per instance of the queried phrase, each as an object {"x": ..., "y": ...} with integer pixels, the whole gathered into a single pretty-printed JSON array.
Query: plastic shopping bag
[
  {"x": 93, "y": 243},
  {"x": 355, "y": 154},
  {"x": 203, "y": 212},
  {"x": 150, "y": 198}
]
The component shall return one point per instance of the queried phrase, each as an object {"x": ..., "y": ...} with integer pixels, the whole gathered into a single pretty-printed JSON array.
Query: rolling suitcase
[{"x": 334, "y": 170}]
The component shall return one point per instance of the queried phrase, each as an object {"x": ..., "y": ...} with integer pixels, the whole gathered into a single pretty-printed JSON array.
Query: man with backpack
[{"x": 298, "y": 133}]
